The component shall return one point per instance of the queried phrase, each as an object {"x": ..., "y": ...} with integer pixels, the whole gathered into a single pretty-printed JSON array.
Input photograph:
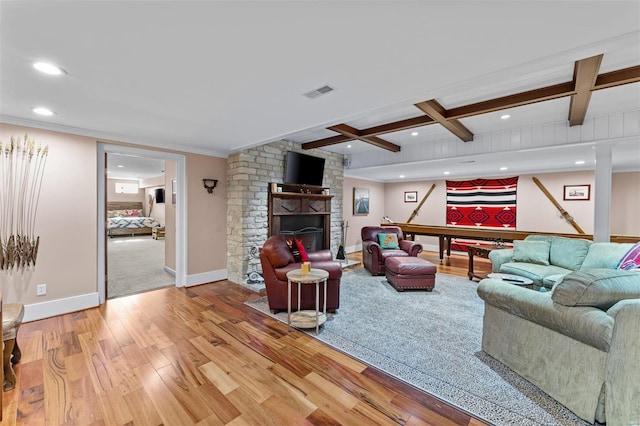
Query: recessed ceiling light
[
  {"x": 43, "y": 111},
  {"x": 48, "y": 68},
  {"x": 447, "y": 173},
  {"x": 349, "y": 146},
  {"x": 504, "y": 116},
  {"x": 579, "y": 162},
  {"x": 401, "y": 176},
  {"x": 120, "y": 165},
  {"x": 414, "y": 133},
  {"x": 504, "y": 168}
]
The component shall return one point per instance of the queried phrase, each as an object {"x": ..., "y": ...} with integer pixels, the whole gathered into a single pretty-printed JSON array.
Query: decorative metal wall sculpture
[{"x": 21, "y": 169}]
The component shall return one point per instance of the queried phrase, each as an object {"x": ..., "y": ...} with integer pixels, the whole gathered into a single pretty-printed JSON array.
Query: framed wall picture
[
  {"x": 411, "y": 197},
  {"x": 577, "y": 192},
  {"x": 360, "y": 202}
]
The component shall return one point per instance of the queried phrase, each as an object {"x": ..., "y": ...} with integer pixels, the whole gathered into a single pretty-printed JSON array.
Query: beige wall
[
  {"x": 376, "y": 208},
  {"x": 625, "y": 202},
  {"x": 535, "y": 212},
  {"x": 169, "y": 216},
  {"x": 112, "y": 195},
  {"x": 67, "y": 221},
  {"x": 206, "y": 214}
]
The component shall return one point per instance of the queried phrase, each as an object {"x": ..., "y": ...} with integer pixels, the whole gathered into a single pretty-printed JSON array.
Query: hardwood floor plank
[
  {"x": 114, "y": 408},
  {"x": 281, "y": 409},
  {"x": 198, "y": 355},
  {"x": 31, "y": 407},
  {"x": 81, "y": 389},
  {"x": 141, "y": 408},
  {"x": 31, "y": 345},
  {"x": 218, "y": 378},
  {"x": 185, "y": 393},
  {"x": 168, "y": 407},
  {"x": 252, "y": 412},
  {"x": 56, "y": 387},
  {"x": 341, "y": 397}
]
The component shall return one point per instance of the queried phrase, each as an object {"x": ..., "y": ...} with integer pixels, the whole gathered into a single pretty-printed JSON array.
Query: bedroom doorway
[
  {"x": 140, "y": 211},
  {"x": 138, "y": 256}
]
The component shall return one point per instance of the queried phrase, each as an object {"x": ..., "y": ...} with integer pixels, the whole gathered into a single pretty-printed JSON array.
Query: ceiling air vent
[{"x": 318, "y": 92}]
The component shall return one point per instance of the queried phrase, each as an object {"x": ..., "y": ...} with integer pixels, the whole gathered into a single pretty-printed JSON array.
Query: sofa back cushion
[
  {"x": 568, "y": 253},
  {"x": 531, "y": 252},
  {"x": 536, "y": 237},
  {"x": 600, "y": 288},
  {"x": 605, "y": 255}
]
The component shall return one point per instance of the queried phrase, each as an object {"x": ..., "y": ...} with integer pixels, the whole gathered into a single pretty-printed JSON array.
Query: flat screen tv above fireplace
[{"x": 303, "y": 169}]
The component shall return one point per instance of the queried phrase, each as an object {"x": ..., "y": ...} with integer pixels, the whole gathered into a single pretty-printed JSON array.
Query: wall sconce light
[{"x": 209, "y": 184}]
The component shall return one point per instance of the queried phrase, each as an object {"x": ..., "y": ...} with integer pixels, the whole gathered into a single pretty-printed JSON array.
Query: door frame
[{"x": 181, "y": 209}]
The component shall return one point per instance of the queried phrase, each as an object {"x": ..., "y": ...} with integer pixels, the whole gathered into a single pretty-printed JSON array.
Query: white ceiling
[{"x": 220, "y": 76}]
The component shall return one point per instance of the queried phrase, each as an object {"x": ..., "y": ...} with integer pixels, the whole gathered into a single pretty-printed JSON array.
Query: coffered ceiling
[{"x": 216, "y": 77}]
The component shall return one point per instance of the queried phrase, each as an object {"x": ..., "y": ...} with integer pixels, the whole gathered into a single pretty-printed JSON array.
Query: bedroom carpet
[
  {"x": 433, "y": 341},
  {"x": 135, "y": 264}
]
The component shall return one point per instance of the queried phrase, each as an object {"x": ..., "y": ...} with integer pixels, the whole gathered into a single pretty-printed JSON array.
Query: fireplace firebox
[{"x": 302, "y": 211}]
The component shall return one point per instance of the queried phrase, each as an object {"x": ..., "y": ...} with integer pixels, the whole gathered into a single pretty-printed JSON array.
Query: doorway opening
[{"x": 141, "y": 229}]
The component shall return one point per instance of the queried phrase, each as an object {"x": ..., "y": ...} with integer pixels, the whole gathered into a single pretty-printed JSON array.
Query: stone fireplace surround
[{"x": 249, "y": 173}]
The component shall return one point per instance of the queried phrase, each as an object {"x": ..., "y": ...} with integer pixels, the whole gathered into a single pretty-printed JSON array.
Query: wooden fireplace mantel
[{"x": 299, "y": 200}]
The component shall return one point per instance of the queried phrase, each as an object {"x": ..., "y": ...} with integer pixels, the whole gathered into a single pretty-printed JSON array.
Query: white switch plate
[{"x": 41, "y": 289}]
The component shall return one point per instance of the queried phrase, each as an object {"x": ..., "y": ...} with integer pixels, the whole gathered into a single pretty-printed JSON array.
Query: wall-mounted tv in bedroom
[
  {"x": 303, "y": 169},
  {"x": 159, "y": 195}
]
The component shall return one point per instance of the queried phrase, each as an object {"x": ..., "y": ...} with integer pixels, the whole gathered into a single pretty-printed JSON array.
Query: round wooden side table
[{"x": 307, "y": 318}]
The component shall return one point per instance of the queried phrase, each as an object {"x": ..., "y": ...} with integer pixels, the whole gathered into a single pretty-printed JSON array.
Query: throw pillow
[
  {"x": 303, "y": 252},
  {"x": 293, "y": 246},
  {"x": 531, "y": 252},
  {"x": 600, "y": 288},
  {"x": 631, "y": 260},
  {"x": 388, "y": 241}
]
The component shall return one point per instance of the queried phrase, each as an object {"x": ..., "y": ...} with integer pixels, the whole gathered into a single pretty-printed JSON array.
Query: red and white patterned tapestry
[{"x": 486, "y": 203}]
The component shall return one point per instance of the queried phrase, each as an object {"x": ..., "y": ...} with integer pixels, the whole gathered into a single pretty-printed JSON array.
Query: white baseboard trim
[
  {"x": 206, "y": 277},
  {"x": 38, "y": 311},
  {"x": 169, "y": 270}
]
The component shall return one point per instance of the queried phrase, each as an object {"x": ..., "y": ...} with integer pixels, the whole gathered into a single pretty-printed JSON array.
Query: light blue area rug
[{"x": 432, "y": 340}]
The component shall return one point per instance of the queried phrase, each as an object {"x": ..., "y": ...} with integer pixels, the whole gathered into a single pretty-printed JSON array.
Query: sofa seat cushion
[
  {"x": 605, "y": 255},
  {"x": 589, "y": 325},
  {"x": 568, "y": 253},
  {"x": 386, "y": 253},
  {"x": 600, "y": 288},
  {"x": 532, "y": 271}
]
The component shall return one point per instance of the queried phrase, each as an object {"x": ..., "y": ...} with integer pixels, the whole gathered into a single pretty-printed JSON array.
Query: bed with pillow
[{"x": 127, "y": 218}]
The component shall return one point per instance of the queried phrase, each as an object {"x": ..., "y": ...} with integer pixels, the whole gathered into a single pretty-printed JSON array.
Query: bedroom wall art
[{"x": 22, "y": 165}]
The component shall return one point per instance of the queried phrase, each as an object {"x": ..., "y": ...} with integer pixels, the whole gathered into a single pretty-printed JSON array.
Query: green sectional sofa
[
  {"x": 545, "y": 259},
  {"x": 579, "y": 342}
]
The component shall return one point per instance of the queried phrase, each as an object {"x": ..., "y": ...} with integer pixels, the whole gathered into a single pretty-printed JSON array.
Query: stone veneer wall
[{"x": 248, "y": 174}]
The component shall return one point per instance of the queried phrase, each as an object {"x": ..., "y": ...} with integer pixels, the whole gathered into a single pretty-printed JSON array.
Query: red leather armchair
[
  {"x": 276, "y": 260},
  {"x": 373, "y": 256}
]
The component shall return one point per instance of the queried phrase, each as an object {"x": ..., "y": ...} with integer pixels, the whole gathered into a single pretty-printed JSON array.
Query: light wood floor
[{"x": 200, "y": 356}]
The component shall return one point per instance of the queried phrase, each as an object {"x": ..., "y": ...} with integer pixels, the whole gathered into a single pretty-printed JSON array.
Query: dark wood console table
[{"x": 479, "y": 251}]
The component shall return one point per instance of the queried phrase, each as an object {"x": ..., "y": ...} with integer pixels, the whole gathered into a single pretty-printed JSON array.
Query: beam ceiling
[
  {"x": 586, "y": 80},
  {"x": 585, "y": 73}
]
